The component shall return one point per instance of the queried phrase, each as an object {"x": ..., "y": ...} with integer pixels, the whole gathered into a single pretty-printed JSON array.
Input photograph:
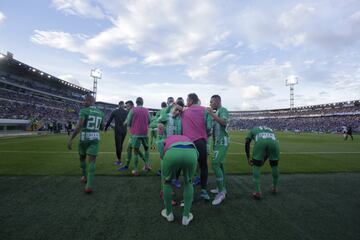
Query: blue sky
[{"x": 241, "y": 50}]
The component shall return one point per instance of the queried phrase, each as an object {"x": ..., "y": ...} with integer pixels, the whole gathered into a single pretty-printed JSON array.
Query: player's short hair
[
  {"x": 139, "y": 101},
  {"x": 180, "y": 103},
  {"x": 130, "y": 103},
  {"x": 216, "y": 97},
  {"x": 163, "y": 105},
  {"x": 121, "y": 103},
  {"x": 170, "y": 100},
  {"x": 194, "y": 98}
]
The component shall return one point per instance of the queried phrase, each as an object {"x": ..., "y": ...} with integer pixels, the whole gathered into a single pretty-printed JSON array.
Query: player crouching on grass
[
  {"x": 178, "y": 154},
  {"x": 266, "y": 146},
  {"x": 91, "y": 119}
]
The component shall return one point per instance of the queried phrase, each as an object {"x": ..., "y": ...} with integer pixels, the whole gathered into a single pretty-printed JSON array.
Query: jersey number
[{"x": 93, "y": 123}]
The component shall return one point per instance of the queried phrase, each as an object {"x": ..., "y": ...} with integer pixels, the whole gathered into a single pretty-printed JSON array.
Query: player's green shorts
[
  {"x": 176, "y": 159},
  {"x": 136, "y": 142},
  {"x": 266, "y": 149},
  {"x": 88, "y": 148},
  {"x": 219, "y": 153}
]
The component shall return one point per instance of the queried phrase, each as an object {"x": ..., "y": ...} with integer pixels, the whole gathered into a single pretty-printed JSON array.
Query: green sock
[
  {"x": 147, "y": 159},
  {"x": 83, "y": 167},
  {"x": 223, "y": 171},
  {"x": 167, "y": 198},
  {"x": 275, "y": 175},
  {"x": 188, "y": 197},
  {"x": 219, "y": 176},
  {"x": 129, "y": 156},
  {"x": 141, "y": 155},
  {"x": 136, "y": 161},
  {"x": 256, "y": 178},
  {"x": 91, "y": 174}
]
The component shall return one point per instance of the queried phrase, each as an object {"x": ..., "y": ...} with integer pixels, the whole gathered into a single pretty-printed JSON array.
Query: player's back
[
  {"x": 262, "y": 133},
  {"x": 93, "y": 119}
]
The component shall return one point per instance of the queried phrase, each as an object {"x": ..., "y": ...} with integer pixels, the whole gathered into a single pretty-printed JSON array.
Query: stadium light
[
  {"x": 34, "y": 70},
  {"x": 96, "y": 73},
  {"x": 291, "y": 81}
]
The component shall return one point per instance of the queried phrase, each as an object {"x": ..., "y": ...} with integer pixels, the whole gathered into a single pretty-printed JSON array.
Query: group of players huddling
[{"x": 184, "y": 133}]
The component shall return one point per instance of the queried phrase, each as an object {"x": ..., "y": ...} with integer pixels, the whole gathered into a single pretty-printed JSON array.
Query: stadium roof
[{"x": 20, "y": 66}]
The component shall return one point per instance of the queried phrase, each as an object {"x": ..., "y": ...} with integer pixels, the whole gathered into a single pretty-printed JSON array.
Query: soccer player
[
  {"x": 220, "y": 144},
  {"x": 266, "y": 147},
  {"x": 138, "y": 121},
  {"x": 196, "y": 125},
  {"x": 129, "y": 105},
  {"x": 349, "y": 133},
  {"x": 119, "y": 115},
  {"x": 90, "y": 122},
  {"x": 179, "y": 154}
]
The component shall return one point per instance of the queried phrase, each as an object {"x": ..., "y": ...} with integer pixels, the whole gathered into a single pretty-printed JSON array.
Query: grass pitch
[
  {"x": 41, "y": 197},
  {"x": 300, "y": 153}
]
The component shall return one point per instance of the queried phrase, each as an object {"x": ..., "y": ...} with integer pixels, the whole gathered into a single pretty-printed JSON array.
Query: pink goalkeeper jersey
[
  {"x": 140, "y": 121},
  {"x": 194, "y": 123},
  {"x": 181, "y": 139}
]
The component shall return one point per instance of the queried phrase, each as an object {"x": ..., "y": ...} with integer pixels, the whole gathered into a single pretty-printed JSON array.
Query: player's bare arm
[{"x": 75, "y": 133}]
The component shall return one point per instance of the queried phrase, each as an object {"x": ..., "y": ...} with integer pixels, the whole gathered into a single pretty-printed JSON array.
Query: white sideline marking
[{"x": 152, "y": 153}]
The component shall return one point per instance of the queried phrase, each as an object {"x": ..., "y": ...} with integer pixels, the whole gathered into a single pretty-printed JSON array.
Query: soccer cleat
[
  {"x": 124, "y": 168},
  {"x": 274, "y": 190},
  {"x": 118, "y": 163},
  {"x": 204, "y": 195},
  {"x": 83, "y": 179},
  {"x": 88, "y": 190},
  {"x": 176, "y": 183},
  {"x": 257, "y": 195},
  {"x": 187, "y": 220},
  {"x": 196, "y": 181},
  {"x": 219, "y": 198},
  {"x": 135, "y": 173},
  {"x": 169, "y": 217},
  {"x": 146, "y": 168}
]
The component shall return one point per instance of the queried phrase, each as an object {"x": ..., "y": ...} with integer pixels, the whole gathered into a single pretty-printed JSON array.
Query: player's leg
[
  {"x": 168, "y": 164},
  {"x": 145, "y": 143},
  {"x": 82, "y": 153},
  {"x": 274, "y": 156},
  {"x": 202, "y": 161},
  {"x": 218, "y": 167},
  {"x": 259, "y": 152},
  {"x": 136, "y": 145},
  {"x": 91, "y": 152},
  {"x": 189, "y": 164},
  {"x": 118, "y": 147}
]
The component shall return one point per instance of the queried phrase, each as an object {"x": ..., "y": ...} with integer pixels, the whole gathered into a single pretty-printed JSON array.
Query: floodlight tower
[
  {"x": 291, "y": 81},
  {"x": 96, "y": 73}
]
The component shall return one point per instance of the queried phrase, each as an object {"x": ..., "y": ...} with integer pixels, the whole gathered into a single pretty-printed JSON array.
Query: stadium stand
[
  {"x": 316, "y": 118},
  {"x": 30, "y": 94},
  {"x": 49, "y": 103}
]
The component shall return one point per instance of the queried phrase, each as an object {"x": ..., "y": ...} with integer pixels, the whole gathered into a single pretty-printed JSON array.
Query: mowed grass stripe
[{"x": 300, "y": 153}]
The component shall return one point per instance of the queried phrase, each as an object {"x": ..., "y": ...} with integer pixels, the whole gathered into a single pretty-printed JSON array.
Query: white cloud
[
  {"x": 296, "y": 17},
  {"x": 69, "y": 78},
  {"x": 2, "y": 17},
  {"x": 77, "y": 43},
  {"x": 79, "y": 7}
]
